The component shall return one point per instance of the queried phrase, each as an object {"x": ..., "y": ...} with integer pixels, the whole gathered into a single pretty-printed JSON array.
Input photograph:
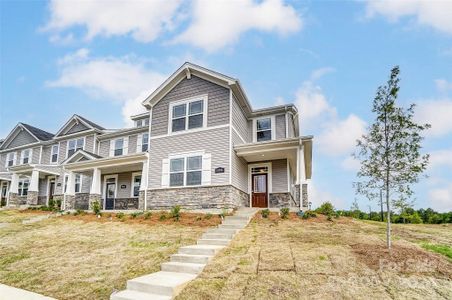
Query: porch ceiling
[
  {"x": 269, "y": 150},
  {"x": 124, "y": 163}
]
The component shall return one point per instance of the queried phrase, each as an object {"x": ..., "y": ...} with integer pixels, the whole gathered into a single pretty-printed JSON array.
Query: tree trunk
[
  {"x": 388, "y": 224},
  {"x": 381, "y": 206}
]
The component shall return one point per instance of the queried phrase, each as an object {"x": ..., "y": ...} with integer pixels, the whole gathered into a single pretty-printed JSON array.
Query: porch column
[
  {"x": 143, "y": 187},
  {"x": 13, "y": 197},
  {"x": 32, "y": 196},
  {"x": 69, "y": 196},
  {"x": 94, "y": 193}
]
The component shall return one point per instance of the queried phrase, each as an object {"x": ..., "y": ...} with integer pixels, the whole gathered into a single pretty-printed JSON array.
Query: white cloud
[
  {"x": 436, "y": 14},
  {"x": 441, "y": 198},
  {"x": 443, "y": 85},
  {"x": 125, "y": 80},
  {"x": 350, "y": 164},
  {"x": 218, "y": 24},
  {"x": 144, "y": 20},
  {"x": 318, "y": 196},
  {"x": 437, "y": 113},
  {"x": 441, "y": 158}
]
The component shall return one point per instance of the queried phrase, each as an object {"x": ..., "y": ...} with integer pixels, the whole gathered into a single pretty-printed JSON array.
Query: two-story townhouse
[{"x": 199, "y": 145}]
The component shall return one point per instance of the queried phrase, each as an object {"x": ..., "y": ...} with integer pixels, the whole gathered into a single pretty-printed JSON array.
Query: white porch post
[
  {"x": 95, "y": 184},
  {"x": 34, "y": 182},
  {"x": 142, "y": 198},
  {"x": 14, "y": 187},
  {"x": 144, "y": 177},
  {"x": 69, "y": 195}
]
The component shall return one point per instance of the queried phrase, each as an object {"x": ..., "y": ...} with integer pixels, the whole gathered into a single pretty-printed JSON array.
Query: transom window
[
  {"x": 186, "y": 171},
  {"x": 188, "y": 115},
  {"x": 54, "y": 157},
  {"x": 10, "y": 160},
  {"x": 145, "y": 142},
  {"x": 264, "y": 129},
  {"x": 119, "y": 147},
  {"x": 74, "y": 145},
  {"x": 25, "y": 157},
  {"x": 23, "y": 187}
]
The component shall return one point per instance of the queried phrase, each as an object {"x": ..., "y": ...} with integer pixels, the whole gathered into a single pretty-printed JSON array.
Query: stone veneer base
[{"x": 32, "y": 198}]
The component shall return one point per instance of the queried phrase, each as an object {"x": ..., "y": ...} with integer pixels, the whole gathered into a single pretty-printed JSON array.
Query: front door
[
  {"x": 51, "y": 189},
  {"x": 3, "y": 191},
  {"x": 110, "y": 195},
  {"x": 259, "y": 190}
]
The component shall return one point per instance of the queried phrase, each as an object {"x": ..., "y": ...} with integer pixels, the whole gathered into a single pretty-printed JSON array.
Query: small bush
[
  {"x": 265, "y": 213},
  {"x": 120, "y": 215},
  {"x": 198, "y": 218},
  {"x": 329, "y": 218},
  {"x": 175, "y": 212},
  {"x": 326, "y": 209},
  {"x": 309, "y": 214},
  {"x": 284, "y": 212},
  {"x": 147, "y": 215},
  {"x": 136, "y": 214},
  {"x": 51, "y": 204},
  {"x": 208, "y": 216},
  {"x": 58, "y": 204},
  {"x": 79, "y": 212},
  {"x": 96, "y": 208},
  {"x": 163, "y": 217}
]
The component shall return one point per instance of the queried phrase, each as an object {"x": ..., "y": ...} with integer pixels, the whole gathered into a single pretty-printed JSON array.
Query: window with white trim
[
  {"x": 66, "y": 179},
  {"x": 74, "y": 145},
  {"x": 144, "y": 142},
  {"x": 263, "y": 129},
  {"x": 188, "y": 115},
  {"x": 142, "y": 122},
  {"x": 23, "y": 186},
  {"x": 78, "y": 183},
  {"x": 186, "y": 171},
  {"x": 10, "y": 159},
  {"x": 119, "y": 147},
  {"x": 25, "y": 156},
  {"x": 136, "y": 182},
  {"x": 54, "y": 154}
]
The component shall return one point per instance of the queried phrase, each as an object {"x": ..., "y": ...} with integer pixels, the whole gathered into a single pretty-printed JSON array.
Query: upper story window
[
  {"x": 119, "y": 147},
  {"x": 263, "y": 129},
  {"x": 74, "y": 145},
  {"x": 54, "y": 154},
  {"x": 144, "y": 142},
  {"x": 10, "y": 159},
  {"x": 23, "y": 187},
  {"x": 187, "y": 115},
  {"x": 186, "y": 171},
  {"x": 142, "y": 122},
  {"x": 25, "y": 156}
]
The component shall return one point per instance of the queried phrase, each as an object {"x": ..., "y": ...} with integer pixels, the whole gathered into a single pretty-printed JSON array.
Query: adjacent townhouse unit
[{"x": 198, "y": 145}]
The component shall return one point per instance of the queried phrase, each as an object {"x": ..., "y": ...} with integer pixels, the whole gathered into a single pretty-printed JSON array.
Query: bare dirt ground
[
  {"x": 320, "y": 259},
  {"x": 83, "y": 257}
]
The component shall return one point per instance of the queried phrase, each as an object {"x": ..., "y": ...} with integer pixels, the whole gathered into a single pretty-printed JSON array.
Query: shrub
[
  {"x": 79, "y": 212},
  {"x": 51, "y": 204},
  {"x": 198, "y": 218},
  {"x": 208, "y": 216},
  {"x": 326, "y": 209},
  {"x": 58, "y": 204},
  {"x": 147, "y": 215},
  {"x": 329, "y": 218},
  {"x": 309, "y": 214},
  {"x": 163, "y": 217},
  {"x": 284, "y": 212},
  {"x": 96, "y": 208},
  {"x": 265, "y": 213},
  {"x": 175, "y": 212},
  {"x": 136, "y": 214},
  {"x": 120, "y": 215}
]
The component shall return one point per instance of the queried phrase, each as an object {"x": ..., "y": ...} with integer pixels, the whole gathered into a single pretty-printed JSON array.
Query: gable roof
[
  {"x": 78, "y": 118},
  {"x": 38, "y": 134},
  {"x": 80, "y": 154}
]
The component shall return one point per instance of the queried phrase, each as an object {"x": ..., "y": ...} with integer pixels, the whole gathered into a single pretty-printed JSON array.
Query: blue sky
[{"x": 328, "y": 57}]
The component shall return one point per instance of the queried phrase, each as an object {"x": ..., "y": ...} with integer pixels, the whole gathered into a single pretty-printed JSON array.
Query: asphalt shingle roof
[
  {"x": 39, "y": 133},
  {"x": 91, "y": 123}
]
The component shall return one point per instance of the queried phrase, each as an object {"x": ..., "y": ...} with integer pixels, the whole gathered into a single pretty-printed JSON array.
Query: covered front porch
[
  {"x": 116, "y": 183},
  {"x": 278, "y": 172}
]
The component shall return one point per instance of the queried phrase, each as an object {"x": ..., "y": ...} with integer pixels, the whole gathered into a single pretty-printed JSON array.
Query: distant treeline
[{"x": 409, "y": 215}]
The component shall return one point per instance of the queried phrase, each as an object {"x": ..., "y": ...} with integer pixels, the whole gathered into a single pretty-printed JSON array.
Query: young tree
[{"x": 390, "y": 151}]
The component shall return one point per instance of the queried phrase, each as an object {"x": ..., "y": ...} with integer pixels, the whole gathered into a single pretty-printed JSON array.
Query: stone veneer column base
[
  {"x": 141, "y": 197},
  {"x": 94, "y": 198},
  {"x": 304, "y": 196},
  {"x": 32, "y": 198},
  {"x": 280, "y": 200},
  {"x": 13, "y": 200},
  {"x": 70, "y": 202}
]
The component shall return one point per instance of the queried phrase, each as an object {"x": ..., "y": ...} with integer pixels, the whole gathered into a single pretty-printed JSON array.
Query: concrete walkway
[
  {"x": 187, "y": 264},
  {"x": 12, "y": 293}
]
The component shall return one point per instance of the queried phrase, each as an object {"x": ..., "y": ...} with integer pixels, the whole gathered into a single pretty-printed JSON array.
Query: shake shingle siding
[
  {"x": 218, "y": 103},
  {"x": 239, "y": 167},
  {"x": 214, "y": 141},
  {"x": 279, "y": 176},
  {"x": 280, "y": 126},
  {"x": 3, "y": 162},
  {"x": 240, "y": 122},
  {"x": 23, "y": 138}
]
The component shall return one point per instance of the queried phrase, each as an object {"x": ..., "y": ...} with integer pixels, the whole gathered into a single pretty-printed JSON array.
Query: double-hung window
[
  {"x": 136, "y": 182},
  {"x": 263, "y": 129},
  {"x": 74, "y": 145},
  {"x": 54, "y": 154},
  {"x": 10, "y": 159},
  {"x": 119, "y": 147},
  {"x": 25, "y": 156},
  {"x": 144, "y": 142},
  {"x": 23, "y": 187},
  {"x": 78, "y": 183},
  {"x": 188, "y": 115},
  {"x": 186, "y": 171}
]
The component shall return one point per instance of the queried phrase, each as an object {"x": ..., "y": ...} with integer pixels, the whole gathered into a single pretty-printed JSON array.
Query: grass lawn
[
  {"x": 319, "y": 259},
  {"x": 82, "y": 257}
]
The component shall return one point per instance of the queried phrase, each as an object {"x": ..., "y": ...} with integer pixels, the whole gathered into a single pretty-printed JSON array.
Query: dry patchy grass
[
  {"x": 319, "y": 259},
  {"x": 83, "y": 257}
]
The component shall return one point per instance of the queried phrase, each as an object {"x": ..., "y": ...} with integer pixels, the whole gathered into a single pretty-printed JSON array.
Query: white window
[
  {"x": 119, "y": 147},
  {"x": 188, "y": 115},
  {"x": 74, "y": 145},
  {"x": 136, "y": 182},
  {"x": 11, "y": 159},
  {"x": 146, "y": 122},
  {"x": 66, "y": 178},
  {"x": 139, "y": 123},
  {"x": 25, "y": 156},
  {"x": 54, "y": 157},
  {"x": 186, "y": 171},
  {"x": 78, "y": 183},
  {"x": 263, "y": 129},
  {"x": 144, "y": 142},
  {"x": 23, "y": 187}
]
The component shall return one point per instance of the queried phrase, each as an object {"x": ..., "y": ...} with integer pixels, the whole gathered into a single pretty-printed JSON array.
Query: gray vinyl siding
[
  {"x": 62, "y": 151},
  {"x": 23, "y": 138},
  {"x": 217, "y": 107},
  {"x": 77, "y": 128},
  {"x": 214, "y": 141},
  {"x": 133, "y": 143},
  {"x": 104, "y": 148},
  {"x": 250, "y": 130},
  {"x": 240, "y": 122},
  {"x": 279, "y": 176},
  {"x": 291, "y": 128},
  {"x": 36, "y": 155},
  {"x": 86, "y": 181},
  {"x": 3, "y": 162},
  {"x": 59, "y": 184},
  {"x": 239, "y": 167},
  {"x": 89, "y": 143},
  {"x": 46, "y": 152},
  {"x": 280, "y": 126},
  {"x": 124, "y": 179}
]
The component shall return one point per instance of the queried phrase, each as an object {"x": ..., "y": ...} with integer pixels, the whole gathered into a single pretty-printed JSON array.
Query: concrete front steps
[{"x": 186, "y": 264}]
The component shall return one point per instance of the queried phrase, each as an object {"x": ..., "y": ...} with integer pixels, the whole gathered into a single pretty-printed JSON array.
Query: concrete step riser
[
  {"x": 221, "y": 236},
  {"x": 197, "y": 251},
  {"x": 213, "y": 242},
  {"x": 240, "y": 222},
  {"x": 180, "y": 268},
  {"x": 223, "y": 230},
  {"x": 150, "y": 288},
  {"x": 239, "y": 218},
  {"x": 231, "y": 226},
  {"x": 195, "y": 259}
]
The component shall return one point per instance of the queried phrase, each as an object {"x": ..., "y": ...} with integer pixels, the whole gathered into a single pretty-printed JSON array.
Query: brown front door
[{"x": 259, "y": 190}]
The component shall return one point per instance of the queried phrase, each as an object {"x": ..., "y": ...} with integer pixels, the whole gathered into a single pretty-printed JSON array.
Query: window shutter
[
  {"x": 126, "y": 146},
  {"x": 112, "y": 148},
  {"x": 165, "y": 173},
  {"x": 139, "y": 142},
  {"x": 206, "y": 169}
]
